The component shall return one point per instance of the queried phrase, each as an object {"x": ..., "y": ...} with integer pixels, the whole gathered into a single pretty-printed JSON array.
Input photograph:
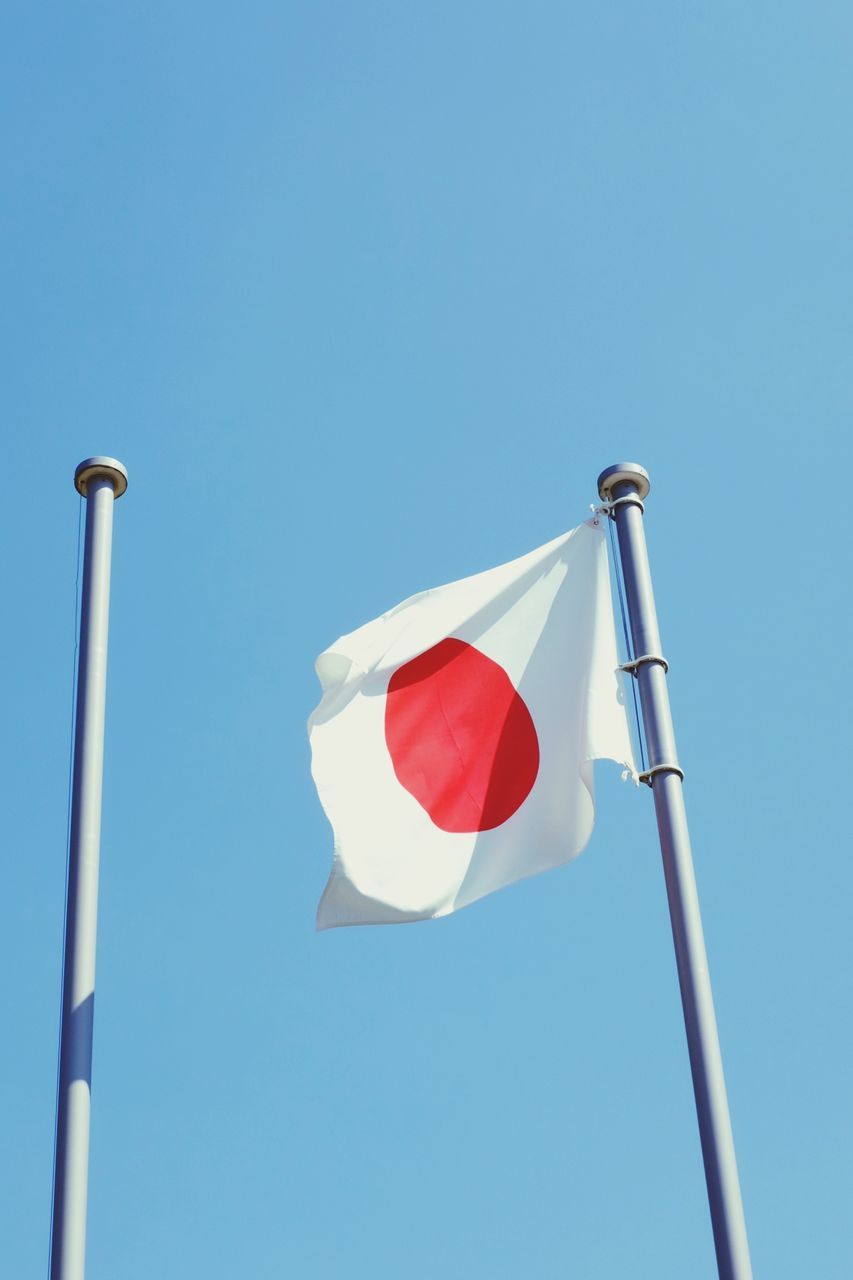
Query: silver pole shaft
[
  {"x": 100, "y": 480},
  {"x": 626, "y": 484}
]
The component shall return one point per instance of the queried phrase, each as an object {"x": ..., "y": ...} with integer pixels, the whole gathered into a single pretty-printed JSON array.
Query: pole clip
[
  {"x": 628, "y": 499},
  {"x": 632, "y": 666},
  {"x": 649, "y": 775}
]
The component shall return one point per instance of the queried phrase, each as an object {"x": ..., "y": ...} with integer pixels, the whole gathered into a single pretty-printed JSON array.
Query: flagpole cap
[
  {"x": 623, "y": 473},
  {"x": 100, "y": 468}
]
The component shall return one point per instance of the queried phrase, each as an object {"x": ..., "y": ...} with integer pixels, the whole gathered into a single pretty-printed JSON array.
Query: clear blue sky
[{"x": 365, "y": 296}]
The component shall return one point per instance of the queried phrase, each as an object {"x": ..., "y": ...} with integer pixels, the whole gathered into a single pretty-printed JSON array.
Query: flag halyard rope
[
  {"x": 617, "y": 569},
  {"x": 67, "y": 842}
]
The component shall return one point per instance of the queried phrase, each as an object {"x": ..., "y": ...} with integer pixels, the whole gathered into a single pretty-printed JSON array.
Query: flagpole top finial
[
  {"x": 96, "y": 468},
  {"x": 620, "y": 473}
]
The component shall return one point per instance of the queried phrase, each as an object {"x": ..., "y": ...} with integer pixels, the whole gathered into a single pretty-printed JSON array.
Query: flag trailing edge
[{"x": 453, "y": 746}]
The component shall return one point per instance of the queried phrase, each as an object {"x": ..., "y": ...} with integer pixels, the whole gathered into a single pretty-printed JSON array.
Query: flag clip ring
[
  {"x": 649, "y": 774},
  {"x": 632, "y": 666},
  {"x": 634, "y": 499}
]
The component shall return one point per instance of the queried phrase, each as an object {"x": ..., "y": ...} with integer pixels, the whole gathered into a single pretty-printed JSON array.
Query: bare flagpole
[
  {"x": 100, "y": 481},
  {"x": 623, "y": 487}
]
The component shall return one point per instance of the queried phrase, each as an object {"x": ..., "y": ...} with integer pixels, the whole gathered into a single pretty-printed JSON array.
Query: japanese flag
[{"x": 453, "y": 746}]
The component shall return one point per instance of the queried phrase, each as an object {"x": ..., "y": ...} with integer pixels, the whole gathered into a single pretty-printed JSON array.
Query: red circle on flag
[{"x": 460, "y": 736}]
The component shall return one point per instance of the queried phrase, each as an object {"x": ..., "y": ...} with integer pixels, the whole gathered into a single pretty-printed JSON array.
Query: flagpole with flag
[
  {"x": 623, "y": 487},
  {"x": 453, "y": 752},
  {"x": 100, "y": 481}
]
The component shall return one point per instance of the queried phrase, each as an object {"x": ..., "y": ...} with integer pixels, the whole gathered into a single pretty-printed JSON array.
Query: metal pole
[
  {"x": 100, "y": 481},
  {"x": 624, "y": 486}
]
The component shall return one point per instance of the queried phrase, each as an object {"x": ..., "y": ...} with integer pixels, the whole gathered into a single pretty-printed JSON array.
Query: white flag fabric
[{"x": 453, "y": 746}]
